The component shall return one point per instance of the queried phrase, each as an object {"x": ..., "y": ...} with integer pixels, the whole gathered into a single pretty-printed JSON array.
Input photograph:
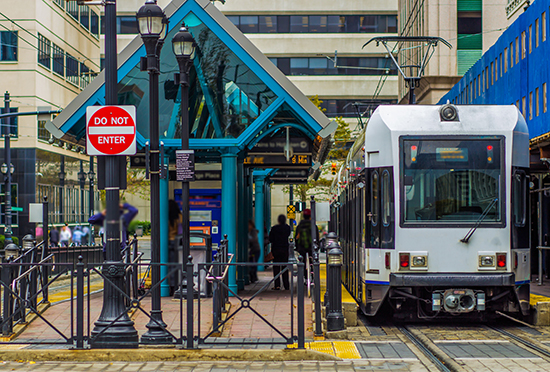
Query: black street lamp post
[
  {"x": 183, "y": 46},
  {"x": 114, "y": 328},
  {"x": 61, "y": 175},
  {"x": 152, "y": 24},
  {"x": 91, "y": 177},
  {"x": 82, "y": 179}
]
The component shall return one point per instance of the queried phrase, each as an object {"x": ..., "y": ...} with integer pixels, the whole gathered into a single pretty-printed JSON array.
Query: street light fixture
[
  {"x": 183, "y": 46},
  {"x": 152, "y": 26}
]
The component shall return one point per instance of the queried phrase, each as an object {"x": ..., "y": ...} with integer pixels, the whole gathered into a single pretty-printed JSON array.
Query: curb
[{"x": 164, "y": 355}]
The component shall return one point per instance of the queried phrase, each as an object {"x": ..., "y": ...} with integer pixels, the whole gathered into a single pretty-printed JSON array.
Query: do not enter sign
[{"x": 111, "y": 130}]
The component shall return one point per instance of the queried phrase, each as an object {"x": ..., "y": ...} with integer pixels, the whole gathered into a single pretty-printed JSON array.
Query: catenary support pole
[
  {"x": 229, "y": 209},
  {"x": 121, "y": 333},
  {"x": 7, "y": 180}
]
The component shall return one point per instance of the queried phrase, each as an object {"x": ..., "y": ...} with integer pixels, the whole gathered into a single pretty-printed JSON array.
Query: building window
[
  {"x": 58, "y": 60},
  {"x": 486, "y": 77},
  {"x": 543, "y": 26},
  {"x": 537, "y": 101},
  {"x": 10, "y": 127},
  {"x": 94, "y": 23},
  {"x": 315, "y": 23},
  {"x": 505, "y": 60},
  {"x": 43, "y": 133},
  {"x": 71, "y": 70},
  {"x": 268, "y": 24},
  {"x": 350, "y": 108},
  {"x": 523, "y": 45},
  {"x": 72, "y": 9},
  {"x": 544, "y": 103},
  {"x": 478, "y": 85},
  {"x": 523, "y": 108},
  {"x": 517, "y": 50},
  {"x": 8, "y": 45},
  {"x": 530, "y": 38},
  {"x": 501, "y": 64},
  {"x": 517, "y": 104},
  {"x": 347, "y": 66},
  {"x": 44, "y": 51},
  {"x": 61, "y": 3},
  {"x": 530, "y": 105},
  {"x": 537, "y": 33},
  {"x": 85, "y": 16},
  {"x": 511, "y": 54},
  {"x": 126, "y": 25}
]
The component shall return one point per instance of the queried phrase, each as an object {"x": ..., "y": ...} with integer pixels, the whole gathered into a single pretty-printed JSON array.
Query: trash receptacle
[
  {"x": 139, "y": 230},
  {"x": 201, "y": 250}
]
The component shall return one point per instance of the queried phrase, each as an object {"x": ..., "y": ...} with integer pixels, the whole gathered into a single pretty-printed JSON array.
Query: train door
[
  {"x": 358, "y": 237},
  {"x": 373, "y": 209},
  {"x": 387, "y": 220}
]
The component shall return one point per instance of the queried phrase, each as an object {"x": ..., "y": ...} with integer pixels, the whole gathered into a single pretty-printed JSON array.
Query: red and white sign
[{"x": 111, "y": 130}]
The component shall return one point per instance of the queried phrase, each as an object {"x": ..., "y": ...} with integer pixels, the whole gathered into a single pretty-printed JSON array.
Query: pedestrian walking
[
  {"x": 278, "y": 236},
  {"x": 54, "y": 237},
  {"x": 77, "y": 235},
  {"x": 127, "y": 214},
  {"x": 253, "y": 251},
  {"x": 304, "y": 244},
  {"x": 65, "y": 235},
  {"x": 175, "y": 231}
]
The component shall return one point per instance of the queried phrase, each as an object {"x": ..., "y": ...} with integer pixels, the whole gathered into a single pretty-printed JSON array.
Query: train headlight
[
  {"x": 419, "y": 261},
  {"x": 486, "y": 261}
]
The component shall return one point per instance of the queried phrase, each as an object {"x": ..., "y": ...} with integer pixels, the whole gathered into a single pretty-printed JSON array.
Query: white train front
[{"x": 432, "y": 212}]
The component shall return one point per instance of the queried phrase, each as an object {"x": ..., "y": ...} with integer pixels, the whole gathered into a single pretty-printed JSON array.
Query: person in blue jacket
[{"x": 127, "y": 214}]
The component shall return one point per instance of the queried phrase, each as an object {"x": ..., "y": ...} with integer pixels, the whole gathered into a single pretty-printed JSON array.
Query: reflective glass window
[
  {"x": 8, "y": 45},
  {"x": 375, "y": 198},
  {"x": 268, "y": 24},
  {"x": 386, "y": 198},
  {"x": 249, "y": 24},
  {"x": 94, "y": 23},
  {"x": 283, "y": 24},
  {"x": 299, "y": 23},
  {"x": 58, "y": 60},
  {"x": 127, "y": 25},
  {"x": 519, "y": 197},
  {"x": 299, "y": 66},
  {"x": 234, "y": 19},
  {"x": 85, "y": 16},
  {"x": 44, "y": 51}
]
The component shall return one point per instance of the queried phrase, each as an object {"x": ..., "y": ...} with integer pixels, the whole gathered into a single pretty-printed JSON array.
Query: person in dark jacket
[
  {"x": 127, "y": 214},
  {"x": 54, "y": 237},
  {"x": 278, "y": 236}
]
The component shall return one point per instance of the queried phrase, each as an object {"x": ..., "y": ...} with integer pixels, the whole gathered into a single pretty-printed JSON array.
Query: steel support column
[
  {"x": 242, "y": 233},
  {"x": 229, "y": 209},
  {"x": 259, "y": 204}
]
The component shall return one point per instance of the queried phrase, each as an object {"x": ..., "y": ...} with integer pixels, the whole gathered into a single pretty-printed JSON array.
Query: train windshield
[{"x": 450, "y": 181}]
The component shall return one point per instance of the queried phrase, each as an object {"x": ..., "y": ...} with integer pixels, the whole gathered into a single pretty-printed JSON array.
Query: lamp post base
[
  {"x": 156, "y": 334},
  {"x": 121, "y": 335},
  {"x": 335, "y": 321}
]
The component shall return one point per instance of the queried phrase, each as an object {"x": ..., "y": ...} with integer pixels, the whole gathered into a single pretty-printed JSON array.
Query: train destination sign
[
  {"x": 277, "y": 145},
  {"x": 185, "y": 165},
  {"x": 111, "y": 130},
  {"x": 277, "y": 160}
]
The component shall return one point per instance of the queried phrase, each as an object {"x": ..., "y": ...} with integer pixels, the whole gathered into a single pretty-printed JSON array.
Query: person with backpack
[{"x": 304, "y": 243}]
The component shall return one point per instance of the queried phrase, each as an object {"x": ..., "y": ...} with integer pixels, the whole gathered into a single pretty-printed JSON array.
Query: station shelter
[{"x": 248, "y": 124}]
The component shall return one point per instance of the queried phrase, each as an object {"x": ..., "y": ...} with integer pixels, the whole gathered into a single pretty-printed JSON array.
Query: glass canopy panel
[{"x": 225, "y": 96}]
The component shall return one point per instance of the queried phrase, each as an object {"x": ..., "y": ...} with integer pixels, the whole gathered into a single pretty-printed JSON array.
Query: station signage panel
[
  {"x": 277, "y": 145},
  {"x": 277, "y": 160},
  {"x": 111, "y": 130}
]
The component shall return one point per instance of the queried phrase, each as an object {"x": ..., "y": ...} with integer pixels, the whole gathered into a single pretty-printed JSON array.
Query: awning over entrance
[{"x": 236, "y": 93}]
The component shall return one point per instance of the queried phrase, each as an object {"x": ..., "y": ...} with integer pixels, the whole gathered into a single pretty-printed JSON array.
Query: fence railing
[
  {"x": 26, "y": 281},
  {"x": 67, "y": 204}
]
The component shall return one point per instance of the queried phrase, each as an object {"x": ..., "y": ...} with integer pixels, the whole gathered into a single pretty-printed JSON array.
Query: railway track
[{"x": 471, "y": 347}]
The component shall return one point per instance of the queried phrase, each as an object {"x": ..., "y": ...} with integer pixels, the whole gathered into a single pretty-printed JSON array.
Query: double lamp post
[{"x": 153, "y": 27}]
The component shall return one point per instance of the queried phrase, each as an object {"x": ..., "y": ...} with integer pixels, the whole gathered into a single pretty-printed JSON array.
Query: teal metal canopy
[{"x": 236, "y": 94}]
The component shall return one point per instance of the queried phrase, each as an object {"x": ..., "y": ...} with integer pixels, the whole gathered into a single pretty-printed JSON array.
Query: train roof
[{"x": 471, "y": 118}]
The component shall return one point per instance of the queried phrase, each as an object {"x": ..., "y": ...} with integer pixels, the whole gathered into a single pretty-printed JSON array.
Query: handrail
[
  {"x": 35, "y": 266},
  {"x": 28, "y": 251},
  {"x": 140, "y": 254},
  {"x": 212, "y": 278}
]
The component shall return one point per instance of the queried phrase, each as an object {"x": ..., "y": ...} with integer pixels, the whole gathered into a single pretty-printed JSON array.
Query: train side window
[
  {"x": 519, "y": 196},
  {"x": 375, "y": 198},
  {"x": 386, "y": 198}
]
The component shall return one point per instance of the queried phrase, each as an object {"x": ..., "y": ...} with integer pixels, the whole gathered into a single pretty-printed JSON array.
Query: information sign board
[{"x": 185, "y": 165}]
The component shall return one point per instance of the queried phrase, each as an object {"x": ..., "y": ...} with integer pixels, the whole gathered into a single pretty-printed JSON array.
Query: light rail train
[{"x": 431, "y": 209}]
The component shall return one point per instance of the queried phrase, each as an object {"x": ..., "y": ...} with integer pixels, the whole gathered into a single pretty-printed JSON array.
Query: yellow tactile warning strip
[
  {"x": 346, "y": 296},
  {"x": 537, "y": 298},
  {"x": 340, "y": 349}
]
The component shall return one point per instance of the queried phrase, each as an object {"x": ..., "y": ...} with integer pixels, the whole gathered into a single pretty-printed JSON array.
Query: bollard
[
  {"x": 189, "y": 298},
  {"x": 331, "y": 237},
  {"x": 300, "y": 305},
  {"x": 335, "y": 318},
  {"x": 317, "y": 289},
  {"x": 80, "y": 304}
]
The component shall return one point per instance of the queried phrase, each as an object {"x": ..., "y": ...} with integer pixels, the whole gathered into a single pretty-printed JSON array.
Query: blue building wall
[{"x": 523, "y": 82}]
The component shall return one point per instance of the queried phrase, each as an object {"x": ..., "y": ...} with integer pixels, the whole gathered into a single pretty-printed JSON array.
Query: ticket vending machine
[{"x": 205, "y": 212}]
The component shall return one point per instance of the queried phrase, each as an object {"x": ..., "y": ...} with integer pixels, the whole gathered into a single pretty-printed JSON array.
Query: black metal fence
[{"x": 25, "y": 282}]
